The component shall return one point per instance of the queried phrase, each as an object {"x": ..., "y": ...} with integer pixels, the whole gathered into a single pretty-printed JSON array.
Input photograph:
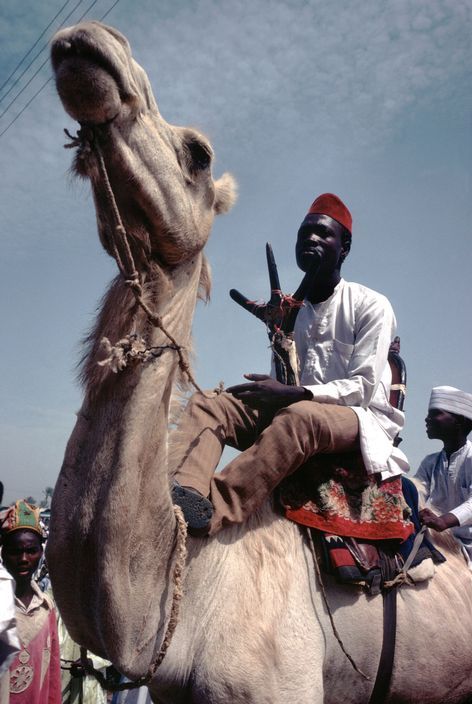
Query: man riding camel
[{"x": 342, "y": 335}]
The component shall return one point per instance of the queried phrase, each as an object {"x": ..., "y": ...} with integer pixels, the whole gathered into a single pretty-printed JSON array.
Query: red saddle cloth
[{"x": 335, "y": 494}]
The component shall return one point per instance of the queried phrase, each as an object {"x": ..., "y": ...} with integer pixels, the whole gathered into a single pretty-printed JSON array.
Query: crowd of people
[
  {"x": 341, "y": 405},
  {"x": 39, "y": 661}
]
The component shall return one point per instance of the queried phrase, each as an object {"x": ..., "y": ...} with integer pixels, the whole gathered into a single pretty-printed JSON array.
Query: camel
[{"x": 253, "y": 627}]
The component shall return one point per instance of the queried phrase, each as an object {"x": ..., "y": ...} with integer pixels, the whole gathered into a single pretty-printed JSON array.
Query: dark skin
[
  {"x": 318, "y": 234},
  {"x": 21, "y": 553},
  {"x": 450, "y": 429}
]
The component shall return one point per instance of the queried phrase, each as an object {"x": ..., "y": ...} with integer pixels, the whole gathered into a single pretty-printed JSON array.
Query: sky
[{"x": 364, "y": 98}]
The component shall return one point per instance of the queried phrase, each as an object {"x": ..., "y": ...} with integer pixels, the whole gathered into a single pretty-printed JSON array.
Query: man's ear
[
  {"x": 346, "y": 248},
  {"x": 465, "y": 424}
]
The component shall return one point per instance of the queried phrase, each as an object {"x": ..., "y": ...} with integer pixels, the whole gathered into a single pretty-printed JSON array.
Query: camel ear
[{"x": 226, "y": 193}]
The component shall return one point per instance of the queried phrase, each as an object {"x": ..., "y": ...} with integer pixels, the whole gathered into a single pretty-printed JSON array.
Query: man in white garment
[
  {"x": 447, "y": 475},
  {"x": 343, "y": 333}
]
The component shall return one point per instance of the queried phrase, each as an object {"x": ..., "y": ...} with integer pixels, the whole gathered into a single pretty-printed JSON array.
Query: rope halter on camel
[
  {"x": 86, "y": 139},
  {"x": 134, "y": 347}
]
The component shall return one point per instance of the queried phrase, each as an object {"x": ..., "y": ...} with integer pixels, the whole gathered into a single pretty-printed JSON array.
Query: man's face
[
  {"x": 21, "y": 553},
  {"x": 440, "y": 424},
  {"x": 321, "y": 235}
]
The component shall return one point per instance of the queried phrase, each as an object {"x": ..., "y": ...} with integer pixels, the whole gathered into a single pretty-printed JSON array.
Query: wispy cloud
[
  {"x": 265, "y": 68},
  {"x": 325, "y": 76}
]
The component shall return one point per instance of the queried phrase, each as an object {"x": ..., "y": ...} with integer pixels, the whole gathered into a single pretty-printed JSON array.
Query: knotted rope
[
  {"x": 86, "y": 140},
  {"x": 286, "y": 301},
  {"x": 403, "y": 577},
  {"x": 280, "y": 305},
  {"x": 132, "y": 347}
]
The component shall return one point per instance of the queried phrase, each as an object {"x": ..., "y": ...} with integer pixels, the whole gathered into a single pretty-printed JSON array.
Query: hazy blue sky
[{"x": 365, "y": 98}]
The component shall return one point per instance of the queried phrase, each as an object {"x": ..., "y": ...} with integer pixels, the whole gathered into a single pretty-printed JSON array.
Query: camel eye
[{"x": 200, "y": 154}]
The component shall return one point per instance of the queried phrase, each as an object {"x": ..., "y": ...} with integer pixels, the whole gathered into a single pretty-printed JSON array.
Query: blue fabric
[{"x": 410, "y": 492}]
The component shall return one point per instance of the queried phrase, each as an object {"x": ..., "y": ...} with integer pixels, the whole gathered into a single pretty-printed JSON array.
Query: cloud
[
  {"x": 266, "y": 68},
  {"x": 266, "y": 77}
]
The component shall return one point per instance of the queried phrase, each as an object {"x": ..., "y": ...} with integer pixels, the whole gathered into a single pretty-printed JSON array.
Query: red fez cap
[{"x": 331, "y": 205}]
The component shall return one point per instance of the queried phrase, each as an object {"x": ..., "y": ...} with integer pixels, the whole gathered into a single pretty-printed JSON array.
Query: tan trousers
[{"x": 273, "y": 446}]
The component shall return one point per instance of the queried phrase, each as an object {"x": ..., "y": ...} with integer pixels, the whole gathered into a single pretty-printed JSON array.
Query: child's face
[
  {"x": 440, "y": 424},
  {"x": 21, "y": 553}
]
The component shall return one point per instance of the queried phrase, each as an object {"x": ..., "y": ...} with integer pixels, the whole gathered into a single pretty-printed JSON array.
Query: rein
[
  {"x": 86, "y": 139},
  {"x": 390, "y": 589}
]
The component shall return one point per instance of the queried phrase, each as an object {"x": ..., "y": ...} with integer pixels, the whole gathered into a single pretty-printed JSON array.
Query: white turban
[{"x": 447, "y": 398}]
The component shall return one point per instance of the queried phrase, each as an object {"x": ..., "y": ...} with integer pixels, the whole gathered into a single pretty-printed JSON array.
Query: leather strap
[{"x": 385, "y": 668}]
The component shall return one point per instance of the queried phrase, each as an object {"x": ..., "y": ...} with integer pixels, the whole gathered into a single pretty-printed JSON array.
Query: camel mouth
[{"x": 67, "y": 49}]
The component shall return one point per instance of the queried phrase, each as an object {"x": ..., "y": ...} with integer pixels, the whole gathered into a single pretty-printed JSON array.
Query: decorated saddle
[
  {"x": 360, "y": 522},
  {"x": 333, "y": 493}
]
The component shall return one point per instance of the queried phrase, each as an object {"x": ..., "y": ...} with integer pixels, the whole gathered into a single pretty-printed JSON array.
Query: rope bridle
[{"x": 87, "y": 140}]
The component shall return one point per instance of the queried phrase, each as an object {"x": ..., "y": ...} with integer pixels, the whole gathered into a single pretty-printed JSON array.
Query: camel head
[{"x": 160, "y": 173}]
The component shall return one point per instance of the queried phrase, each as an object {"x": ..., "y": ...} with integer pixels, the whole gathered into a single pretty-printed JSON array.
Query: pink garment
[{"x": 35, "y": 674}]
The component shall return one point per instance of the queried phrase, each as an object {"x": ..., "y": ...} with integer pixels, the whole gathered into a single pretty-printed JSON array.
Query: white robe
[
  {"x": 449, "y": 488},
  {"x": 343, "y": 345}
]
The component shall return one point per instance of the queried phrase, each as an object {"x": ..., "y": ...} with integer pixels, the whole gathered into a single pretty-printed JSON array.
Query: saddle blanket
[{"x": 346, "y": 501}]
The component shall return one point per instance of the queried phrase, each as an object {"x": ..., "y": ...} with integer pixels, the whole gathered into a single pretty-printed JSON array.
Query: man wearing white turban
[{"x": 447, "y": 475}]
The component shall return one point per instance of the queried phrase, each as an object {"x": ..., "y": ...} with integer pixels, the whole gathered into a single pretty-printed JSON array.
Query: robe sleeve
[{"x": 463, "y": 512}]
